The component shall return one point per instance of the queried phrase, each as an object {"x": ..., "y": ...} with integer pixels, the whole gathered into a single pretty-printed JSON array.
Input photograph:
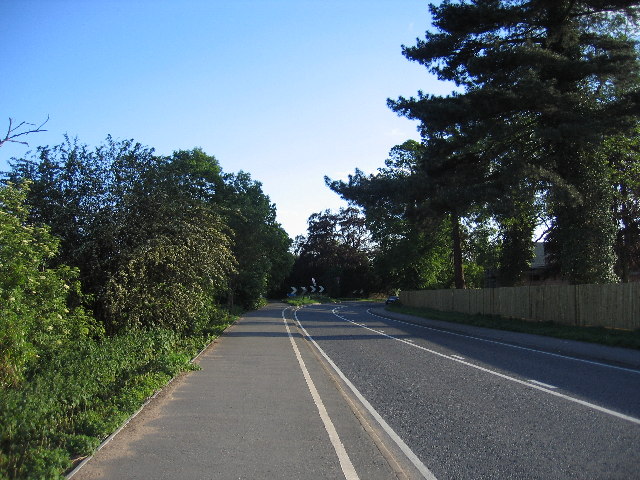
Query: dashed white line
[
  {"x": 545, "y": 385},
  {"x": 510, "y": 345},
  {"x": 498, "y": 374}
]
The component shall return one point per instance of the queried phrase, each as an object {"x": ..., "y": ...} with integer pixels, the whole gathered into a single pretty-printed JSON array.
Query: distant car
[{"x": 392, "y": 299}]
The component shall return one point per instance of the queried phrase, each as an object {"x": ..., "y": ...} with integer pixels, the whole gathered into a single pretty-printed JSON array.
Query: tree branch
[{"x": 14, "y": 132}]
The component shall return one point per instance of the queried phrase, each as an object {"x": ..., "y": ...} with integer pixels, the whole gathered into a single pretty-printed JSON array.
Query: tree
[
  {"x": 533, "y": 74},
  {"x": 133, "y": 221},
  {"x": 408, "y": 211},
  {"x": 412, "y": 250},
  {"x": 260, "y": 245},
  {"x": 173, "y": 277},
  {"x": 175, "y": 257},
  {"x": 336, "y": 252},
  {"x": 175, "y": 230},
  {"x": 78, "y": 193},
  {"x": 622, "y": 154}
]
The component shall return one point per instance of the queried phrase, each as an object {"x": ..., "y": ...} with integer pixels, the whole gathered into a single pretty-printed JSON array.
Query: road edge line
[
  {"x": 365, "y": 419},
  {"x": 566, "y": 356},
  {"x": 406, "y": 450},
  {"x": 348, "y": 469},
  {"x": 584, "y": 403}
]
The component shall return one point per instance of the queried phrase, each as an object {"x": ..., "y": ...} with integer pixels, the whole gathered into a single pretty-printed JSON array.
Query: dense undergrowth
[{"x": 70, "y": 401}]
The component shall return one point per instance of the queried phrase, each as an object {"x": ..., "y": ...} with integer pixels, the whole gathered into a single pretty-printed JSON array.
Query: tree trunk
[{"x": 458, "y": 270}]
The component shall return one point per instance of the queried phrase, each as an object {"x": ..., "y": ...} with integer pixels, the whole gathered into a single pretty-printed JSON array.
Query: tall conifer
[{"x": 543, "y": 83}]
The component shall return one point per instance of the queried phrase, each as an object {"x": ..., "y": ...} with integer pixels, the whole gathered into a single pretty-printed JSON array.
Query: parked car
[{"x": 392, "y": 299}]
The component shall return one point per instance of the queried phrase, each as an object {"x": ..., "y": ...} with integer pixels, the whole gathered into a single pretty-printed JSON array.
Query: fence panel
[
  {"x": 460, "y": 299},
  {"x": 536, "y": 304},
  {"x": 611, "y": 305},
  {"x": 476, "y": 301},
  {"x": 559, "y": 304}
]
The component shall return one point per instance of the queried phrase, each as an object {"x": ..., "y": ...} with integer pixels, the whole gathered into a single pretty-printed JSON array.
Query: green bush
[
  {"x": 69, "y": 402},
  {"x": 35, "y": 315}
]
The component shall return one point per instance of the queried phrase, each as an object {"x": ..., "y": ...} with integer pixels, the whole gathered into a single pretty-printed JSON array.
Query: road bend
[{"x": 472, "y": 408}]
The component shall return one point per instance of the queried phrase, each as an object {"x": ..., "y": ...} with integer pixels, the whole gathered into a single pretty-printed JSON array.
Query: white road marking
[
  {"x": 510, "y": 345},
  {"x": 458, "y": 357},
  {"x": 546, "y": 385},
  {"x": 345, "y": 462},
  {"x": 413, "y": 458},
  {"x": 501, "y": 375}
]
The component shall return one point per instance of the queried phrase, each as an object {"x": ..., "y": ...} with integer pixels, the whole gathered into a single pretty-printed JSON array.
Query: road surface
[
  {"x": 474, "y": 408},
  {"x": 339, "y": 392}
]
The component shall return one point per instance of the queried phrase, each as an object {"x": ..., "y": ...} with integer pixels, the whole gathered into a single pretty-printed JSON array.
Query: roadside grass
[
  {"x": 299, "y": 301},
  {"x": 75, "y": 398},
  {"x": 601, "y": 335}
]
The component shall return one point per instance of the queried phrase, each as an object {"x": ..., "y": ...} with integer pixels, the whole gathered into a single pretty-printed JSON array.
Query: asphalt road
[
  {"x": 472, "y": 408},
  {"x": 261, "y": 407},
  {"x": 339, "y": 392}
]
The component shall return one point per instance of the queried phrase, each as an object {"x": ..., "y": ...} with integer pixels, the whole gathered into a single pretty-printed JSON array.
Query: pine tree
[{"x": 543, "y": 83}]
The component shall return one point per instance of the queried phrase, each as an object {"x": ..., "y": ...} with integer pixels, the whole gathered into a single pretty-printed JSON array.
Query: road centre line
[
  {"x": 505, "y": 344},
  {"x": 497, "y": 374},
  {"x": 413, "y": 458},
  {"x": 345, "y": 462}
]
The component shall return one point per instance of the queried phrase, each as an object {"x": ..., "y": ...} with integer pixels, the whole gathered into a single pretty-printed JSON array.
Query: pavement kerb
[
  {"x": 622, "y": 357},
  {"x": 84, "y": 461}
]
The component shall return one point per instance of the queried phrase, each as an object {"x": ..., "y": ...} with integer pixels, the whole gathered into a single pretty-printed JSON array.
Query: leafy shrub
[
  {"x": 70, "y": 401},
  {"x": 35, "y": 315}
]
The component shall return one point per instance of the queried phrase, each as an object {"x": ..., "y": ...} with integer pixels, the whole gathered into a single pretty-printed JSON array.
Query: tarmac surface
[
  {"x": 624, "y": 357},
  {"x": 267, "y": 405},
  {"x": 249, "y": 413}
]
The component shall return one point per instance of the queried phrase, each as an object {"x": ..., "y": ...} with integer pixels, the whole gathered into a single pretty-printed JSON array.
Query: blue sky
[{"x": 288, "y": 90}]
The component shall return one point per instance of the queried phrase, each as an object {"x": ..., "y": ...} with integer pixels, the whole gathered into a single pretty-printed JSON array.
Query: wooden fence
[{"x": 611, "y": 305}]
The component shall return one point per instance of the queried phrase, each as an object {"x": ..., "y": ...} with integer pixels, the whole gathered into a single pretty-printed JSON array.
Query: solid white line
[
  {"x": 529, "y": 349},
  {"x": 413, "y": 458},
  {"x": 458, "y": 357},
  {"x": 345, "y": 462},
  {"x": 501, "y": 375},
  {"x": 546, "y": 385}
]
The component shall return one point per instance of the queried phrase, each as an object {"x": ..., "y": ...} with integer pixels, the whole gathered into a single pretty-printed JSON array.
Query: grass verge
[
  {"x": 71, "y": 401},
  {"x": 299, "y": 301},
  {"x": 601, "y": 335}
]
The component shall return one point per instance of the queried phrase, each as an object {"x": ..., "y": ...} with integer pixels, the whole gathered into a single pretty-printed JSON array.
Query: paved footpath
[{"x": 250, "y": 413}]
